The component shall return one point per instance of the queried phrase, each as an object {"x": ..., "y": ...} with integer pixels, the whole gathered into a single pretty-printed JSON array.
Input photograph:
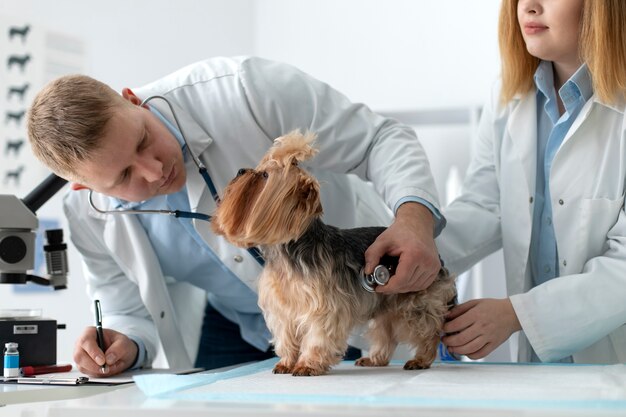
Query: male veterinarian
[{"x": 170, "y": 280}]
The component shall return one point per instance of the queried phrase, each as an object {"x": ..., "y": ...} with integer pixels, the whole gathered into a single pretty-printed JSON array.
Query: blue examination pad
[{"x": 445, "y": 384}]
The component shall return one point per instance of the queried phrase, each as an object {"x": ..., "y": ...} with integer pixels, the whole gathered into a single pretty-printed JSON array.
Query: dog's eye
[
  {"x": 241, "y": 172},
  {"x": 265, "y": 174}
]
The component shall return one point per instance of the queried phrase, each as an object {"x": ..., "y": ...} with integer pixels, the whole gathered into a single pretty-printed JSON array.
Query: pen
[
  {"x": 99, "y": 334},
  {"x": 38, "y": 370}
]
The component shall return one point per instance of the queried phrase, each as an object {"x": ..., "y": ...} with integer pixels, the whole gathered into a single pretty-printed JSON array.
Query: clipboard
[
  {"x": 46, "y": 380},
  {"x": 51, "y": 380},
  {"x": 77, "y": 378}
]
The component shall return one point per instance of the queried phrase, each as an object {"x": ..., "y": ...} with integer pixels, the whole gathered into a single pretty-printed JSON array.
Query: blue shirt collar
[
  {"x": 582, "y": 80},
  {"x": 575, "y": 92},
  {"x": 544, "y": 78}
]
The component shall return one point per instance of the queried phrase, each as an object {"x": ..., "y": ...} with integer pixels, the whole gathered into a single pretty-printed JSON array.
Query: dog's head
[{"x": 273, "y": 203}]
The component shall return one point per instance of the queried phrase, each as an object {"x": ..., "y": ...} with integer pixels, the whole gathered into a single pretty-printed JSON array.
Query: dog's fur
[{"x": 309, "y": 290}]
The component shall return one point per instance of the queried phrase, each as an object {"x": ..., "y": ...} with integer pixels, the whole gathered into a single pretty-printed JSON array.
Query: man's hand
[
  {"x": 121, "y": 352},
  {"x": 478, "y": 327},
  {"x": 410, "y": 238}
]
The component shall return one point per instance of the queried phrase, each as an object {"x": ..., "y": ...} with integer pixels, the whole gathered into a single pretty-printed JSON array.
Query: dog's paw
[
  {"x": 281, "y": 369},
  {"x": 415, "y": 364},
  {"x": 365, "y": 361},
  {"x": 302, "y": 370}
]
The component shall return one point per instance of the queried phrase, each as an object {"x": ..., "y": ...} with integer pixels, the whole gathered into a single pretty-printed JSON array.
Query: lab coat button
[
  {"x": 564, "y": 262},
  {"x": 238, "y": 258},
  {"x": 530, "y": 200},
  {"x": 162, "y": 314},
  {"x": 561, "y": 202}
]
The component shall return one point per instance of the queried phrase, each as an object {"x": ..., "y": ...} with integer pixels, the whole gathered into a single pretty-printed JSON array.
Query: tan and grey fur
[{"x": 309, "y": 290}]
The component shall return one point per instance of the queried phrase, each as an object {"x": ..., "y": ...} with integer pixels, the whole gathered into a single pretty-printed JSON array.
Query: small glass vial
[{"x": 11, "y": 360}]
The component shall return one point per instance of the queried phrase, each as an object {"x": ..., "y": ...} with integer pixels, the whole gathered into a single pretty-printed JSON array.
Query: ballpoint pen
[{"x": 99, "y": 335}]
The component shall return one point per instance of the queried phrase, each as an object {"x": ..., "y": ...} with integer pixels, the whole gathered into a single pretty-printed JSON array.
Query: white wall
[
  {"x": 391, "y": 54},
  {"x": 130, "y": 43}
]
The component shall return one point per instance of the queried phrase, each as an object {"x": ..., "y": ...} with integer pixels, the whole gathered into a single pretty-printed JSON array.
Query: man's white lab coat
[{"x": 231, "y": 110}]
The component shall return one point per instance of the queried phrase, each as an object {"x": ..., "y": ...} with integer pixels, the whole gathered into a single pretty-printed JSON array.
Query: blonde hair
[
  {"x": 67, "y": 119},
  {"x": 602, "y": 46}
]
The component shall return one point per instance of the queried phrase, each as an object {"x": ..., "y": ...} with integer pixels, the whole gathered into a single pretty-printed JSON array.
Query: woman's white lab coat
[
  {"x": 231, "y": 110},
  {"x": 583, "y": 312}
]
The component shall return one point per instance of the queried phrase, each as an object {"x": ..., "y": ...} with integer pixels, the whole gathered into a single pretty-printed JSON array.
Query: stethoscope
[{"x": 179, "y": 213}]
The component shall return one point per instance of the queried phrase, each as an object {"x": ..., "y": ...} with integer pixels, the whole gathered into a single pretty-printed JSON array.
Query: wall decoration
[{"x": 30, "y": 56}]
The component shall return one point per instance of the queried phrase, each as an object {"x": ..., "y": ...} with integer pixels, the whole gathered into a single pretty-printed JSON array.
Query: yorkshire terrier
[{"x": 309, "y": 290}]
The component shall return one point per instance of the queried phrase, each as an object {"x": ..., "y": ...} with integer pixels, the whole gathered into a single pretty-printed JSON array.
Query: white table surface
[
  {"x": 34, "y": 400},
  {"x": 128, "y": 400}
]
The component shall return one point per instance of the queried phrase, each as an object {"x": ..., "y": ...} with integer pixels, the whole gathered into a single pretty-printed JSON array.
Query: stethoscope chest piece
[{"x": 380, "y": 276}]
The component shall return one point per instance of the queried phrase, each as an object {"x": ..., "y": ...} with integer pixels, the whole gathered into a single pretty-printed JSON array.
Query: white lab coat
[
  {"x": 581, "y": 313},
  {"x": 231, "y": 109}
]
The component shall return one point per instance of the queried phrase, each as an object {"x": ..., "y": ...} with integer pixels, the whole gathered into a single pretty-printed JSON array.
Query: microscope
[
  {"x": 36, "y": 336},
  {"x": 18, "y": 224}
]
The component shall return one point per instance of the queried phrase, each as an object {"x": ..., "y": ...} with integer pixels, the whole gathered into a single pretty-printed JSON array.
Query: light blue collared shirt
[{"x": 551, "y": 130}]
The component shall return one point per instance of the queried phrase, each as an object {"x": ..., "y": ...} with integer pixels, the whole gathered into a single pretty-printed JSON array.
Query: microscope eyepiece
[{"x": 55, "y": 238}]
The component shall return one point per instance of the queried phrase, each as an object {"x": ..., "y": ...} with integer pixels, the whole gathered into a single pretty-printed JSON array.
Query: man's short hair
[{"x": 67, "y": 119}]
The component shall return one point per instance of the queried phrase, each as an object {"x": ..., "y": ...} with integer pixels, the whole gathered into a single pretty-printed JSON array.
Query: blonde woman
[{"x": 547, "y": 185}]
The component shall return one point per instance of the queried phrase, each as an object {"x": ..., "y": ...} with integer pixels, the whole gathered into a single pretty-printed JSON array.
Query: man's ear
[
  {"x": 128, "y": 94},
  {"x": 76, "y": 186}
]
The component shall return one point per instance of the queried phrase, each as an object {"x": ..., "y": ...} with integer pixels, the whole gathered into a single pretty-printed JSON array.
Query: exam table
[{"x": 447, "y": 389}]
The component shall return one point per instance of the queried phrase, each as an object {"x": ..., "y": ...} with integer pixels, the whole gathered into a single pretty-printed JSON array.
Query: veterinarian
[
  {"x": 170, "y": 281},
  {"x": 547, "y": 184}
]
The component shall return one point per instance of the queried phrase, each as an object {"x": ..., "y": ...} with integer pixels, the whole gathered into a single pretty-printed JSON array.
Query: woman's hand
[{"x": 478, "y": 327}]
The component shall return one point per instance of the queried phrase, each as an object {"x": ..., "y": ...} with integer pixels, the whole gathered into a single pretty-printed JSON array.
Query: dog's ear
[
  {"x": 291, "y": 148},
  {"x": 309, "y": 195}
]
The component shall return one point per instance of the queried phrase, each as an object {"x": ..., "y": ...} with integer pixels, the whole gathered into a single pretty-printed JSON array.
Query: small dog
[{"x": 309, "y": 290}]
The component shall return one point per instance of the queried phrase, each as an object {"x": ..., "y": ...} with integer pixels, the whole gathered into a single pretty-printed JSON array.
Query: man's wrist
[
  {"x": 440, "y": 221},
  {"x": 416, "y": 211}
]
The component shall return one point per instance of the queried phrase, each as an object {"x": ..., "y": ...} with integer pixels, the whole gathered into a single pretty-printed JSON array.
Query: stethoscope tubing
[
  {"x": 255, "y": 252},
  {"x": 175, "y": 213}
]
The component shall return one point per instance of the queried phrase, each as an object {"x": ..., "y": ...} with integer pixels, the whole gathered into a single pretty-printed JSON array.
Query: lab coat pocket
[{"x": 598, "y": 216}]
